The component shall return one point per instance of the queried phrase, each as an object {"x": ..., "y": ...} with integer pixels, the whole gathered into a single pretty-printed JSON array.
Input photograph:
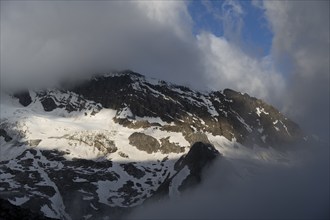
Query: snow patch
[
  {"x": 19, "y": 200},
  {"x": 125, "y": 113},
  {"x": 261, "y": 110},
  {"x": 210, "y": 107},
  {"x": 177, "y": 181},
  {"x": 103, "y": 191},
  {"x": 49, "y": 212}
]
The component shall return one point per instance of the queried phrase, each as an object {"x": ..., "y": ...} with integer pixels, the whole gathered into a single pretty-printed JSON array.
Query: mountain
[{"x": 118, "y": 140}]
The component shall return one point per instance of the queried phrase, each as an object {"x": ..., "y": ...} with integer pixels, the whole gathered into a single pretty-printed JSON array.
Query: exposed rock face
[
  {"x": 277, "y": 129},
  {"x": 4, "y": 134},
  {"x": 144, "y": 142},
  {"x": 10, "y": 211},
  {"x": 170, "y": 147},
  {"x": 199, "y": 157},
  {"x": 52, "y": 99},
  {"x": 23, "y": 97},
  {"x": 132, "y": 170},
  {"x": 230, "y": 114},
  {"x": 189, "y": 169},
  {"x": 48, "y": 104},
  {"x": 76, "y": 182}
]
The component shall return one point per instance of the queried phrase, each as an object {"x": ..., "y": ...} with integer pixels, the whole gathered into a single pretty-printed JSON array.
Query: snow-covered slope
[{"x": 119, "y": 139}]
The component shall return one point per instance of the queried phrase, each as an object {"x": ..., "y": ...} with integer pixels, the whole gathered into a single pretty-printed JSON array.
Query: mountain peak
[
  {"x": 117, "y": 139},
  {"x": 137, "y": 99}
]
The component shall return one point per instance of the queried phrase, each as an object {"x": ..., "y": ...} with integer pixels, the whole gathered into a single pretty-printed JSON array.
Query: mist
[
  {"x": 300, "y": 49},
  {"x": 44, "y": 42},
  {"x": 246, "y": 189}
]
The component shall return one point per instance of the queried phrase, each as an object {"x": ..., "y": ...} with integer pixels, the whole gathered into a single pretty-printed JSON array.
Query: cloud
[
  {"x": 45, "y": 42},
  {"x": 226, "y": 65},
  {"x": 229, "y": 15},
  {"x": 246, "y": 189},
  {"x": 301, "y": 49},
  {"x": 232, "y": 20}
]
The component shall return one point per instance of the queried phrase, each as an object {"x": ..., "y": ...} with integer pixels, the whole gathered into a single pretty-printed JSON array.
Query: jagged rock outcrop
[{"x": 188, "y": 170}]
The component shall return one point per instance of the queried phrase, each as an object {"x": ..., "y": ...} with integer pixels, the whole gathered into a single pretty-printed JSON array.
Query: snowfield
[{"x": 83, "y": 150}]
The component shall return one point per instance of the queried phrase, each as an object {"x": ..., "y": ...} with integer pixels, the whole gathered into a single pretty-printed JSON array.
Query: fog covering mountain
[{"x": 121, "y": 145}]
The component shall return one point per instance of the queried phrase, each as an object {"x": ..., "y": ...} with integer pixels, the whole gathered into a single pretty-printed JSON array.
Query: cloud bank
[
  {"x": 247, "y": 189},
  {"x": 43, "y": 42}
]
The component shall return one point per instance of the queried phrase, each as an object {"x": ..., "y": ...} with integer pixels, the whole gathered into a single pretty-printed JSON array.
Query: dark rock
[
  {"x": 133, "y": 171},
  {"x": 129, "y": 192},
  {"x": 4, "y": 134},
  {"x": 24, "y": 97},
  {"x": 200, "y": 156},
  {"x": 9, "y": 211},
  {"x": 48, "y": 104},
  {"x": 91, "y": 164},
  {"x": 122, "y": 154}
]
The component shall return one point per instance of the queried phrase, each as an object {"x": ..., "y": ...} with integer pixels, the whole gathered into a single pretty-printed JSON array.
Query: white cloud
[
  {"x": 44, "y": 42},
  {"x": 227, "y": 66},
  {"x": 301, "y": 46},
  {"x": 172, "y": 14},
  {"x": 232, "y": 16}
]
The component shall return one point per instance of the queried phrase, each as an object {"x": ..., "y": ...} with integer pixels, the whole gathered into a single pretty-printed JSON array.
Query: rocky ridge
[{"x": 120, "y": 139}]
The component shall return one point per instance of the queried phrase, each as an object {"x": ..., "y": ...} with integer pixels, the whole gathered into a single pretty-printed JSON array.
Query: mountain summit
[{"x": 117, "y": 140}]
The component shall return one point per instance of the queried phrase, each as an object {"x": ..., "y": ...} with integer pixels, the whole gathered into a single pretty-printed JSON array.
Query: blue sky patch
[{"x": 256, "y": 36}]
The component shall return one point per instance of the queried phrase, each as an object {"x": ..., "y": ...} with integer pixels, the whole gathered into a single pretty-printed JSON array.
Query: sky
[{"x": 274, "y": 50}]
